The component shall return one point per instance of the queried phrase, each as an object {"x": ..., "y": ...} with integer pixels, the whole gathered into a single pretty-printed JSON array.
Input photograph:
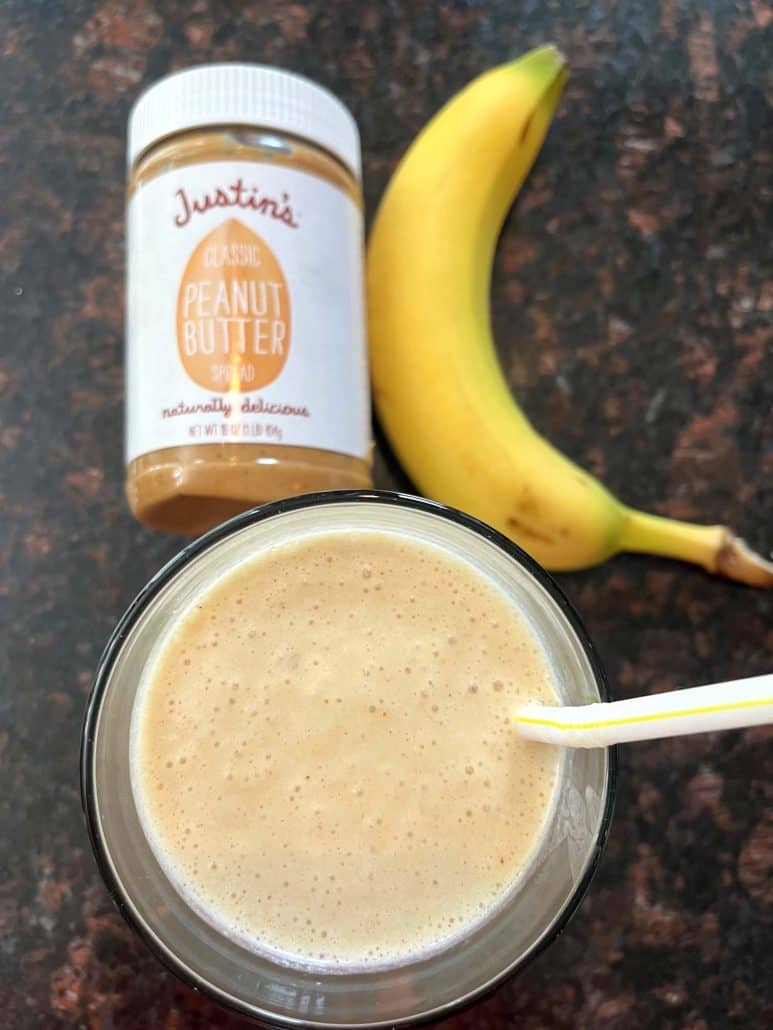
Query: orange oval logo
[{"x": 233, "y": 312}]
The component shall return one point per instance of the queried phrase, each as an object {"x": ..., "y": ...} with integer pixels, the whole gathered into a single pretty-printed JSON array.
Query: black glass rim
[{"x": 150, "y": 591}]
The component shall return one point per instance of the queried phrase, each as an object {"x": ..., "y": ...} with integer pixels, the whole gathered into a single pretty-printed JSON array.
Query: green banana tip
[{"x": 546, "y": 61}]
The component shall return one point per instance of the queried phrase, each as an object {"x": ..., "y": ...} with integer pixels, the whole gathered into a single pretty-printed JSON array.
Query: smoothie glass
[{"x": 430, "y": 987}]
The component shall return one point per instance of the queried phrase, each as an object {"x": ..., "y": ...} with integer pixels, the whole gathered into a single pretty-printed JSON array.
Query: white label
[{"x": 245, "y": 312}]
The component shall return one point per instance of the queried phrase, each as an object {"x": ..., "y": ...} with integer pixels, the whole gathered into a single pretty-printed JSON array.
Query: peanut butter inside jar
[{"x": 246, "y": 362}]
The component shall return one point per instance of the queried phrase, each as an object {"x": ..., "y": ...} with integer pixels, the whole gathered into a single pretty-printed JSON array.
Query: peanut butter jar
[{"x": 246, "y": 366}]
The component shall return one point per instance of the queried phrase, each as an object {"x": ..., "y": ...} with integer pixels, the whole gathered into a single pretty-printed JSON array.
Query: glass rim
[{"x": 123, "y": 629}]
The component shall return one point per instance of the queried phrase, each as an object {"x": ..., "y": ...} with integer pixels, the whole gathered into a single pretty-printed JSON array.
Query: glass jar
[
  {"x": 245, "y": 350},
  {"x": 255, "y": 983}
]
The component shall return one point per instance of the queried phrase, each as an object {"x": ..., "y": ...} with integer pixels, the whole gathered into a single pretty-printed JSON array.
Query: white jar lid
[{"x": 243, "y": 94}]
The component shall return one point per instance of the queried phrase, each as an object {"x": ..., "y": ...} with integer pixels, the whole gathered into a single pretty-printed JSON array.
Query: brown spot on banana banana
[
  {"x": 521, "y": 529},
  {"x": 525, "y": 129},
  {"x": 528, "y": 502}
]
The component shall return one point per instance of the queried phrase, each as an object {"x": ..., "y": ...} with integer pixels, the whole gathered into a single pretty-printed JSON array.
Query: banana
[{"x": 440, "y": 394}]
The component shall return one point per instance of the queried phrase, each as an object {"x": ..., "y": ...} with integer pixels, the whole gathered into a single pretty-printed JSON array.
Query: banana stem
[{"x": 716, "y": 548}]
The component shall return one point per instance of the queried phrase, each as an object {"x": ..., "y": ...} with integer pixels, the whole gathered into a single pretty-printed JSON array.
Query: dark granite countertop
[{"x": 634, "y": 318}]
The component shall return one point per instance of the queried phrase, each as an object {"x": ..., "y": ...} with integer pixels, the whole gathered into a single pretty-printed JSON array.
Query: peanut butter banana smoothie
[{"x": 321, "y": 753}]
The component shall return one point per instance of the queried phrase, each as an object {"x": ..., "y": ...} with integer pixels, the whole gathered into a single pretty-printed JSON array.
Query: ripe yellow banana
[{"x": 439, "y": 391}]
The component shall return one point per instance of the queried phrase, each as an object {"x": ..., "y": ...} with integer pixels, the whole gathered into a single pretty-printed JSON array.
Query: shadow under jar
[
  {"x": 245, "y": 354},
  {"x": 530, "y": 913}
]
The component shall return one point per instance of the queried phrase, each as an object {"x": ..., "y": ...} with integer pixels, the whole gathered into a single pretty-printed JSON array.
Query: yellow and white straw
[{"x": 719, "y": 706}]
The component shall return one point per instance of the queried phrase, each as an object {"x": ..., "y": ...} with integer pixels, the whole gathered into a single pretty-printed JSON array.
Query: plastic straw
[{"x": 719, "y": 706}]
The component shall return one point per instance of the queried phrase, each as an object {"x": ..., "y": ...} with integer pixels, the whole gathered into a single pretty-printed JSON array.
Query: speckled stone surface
[{"x": 634, "y": 318}]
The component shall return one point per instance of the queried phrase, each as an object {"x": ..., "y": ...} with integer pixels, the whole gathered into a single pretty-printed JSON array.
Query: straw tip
[{"x": 530, "y": 721}]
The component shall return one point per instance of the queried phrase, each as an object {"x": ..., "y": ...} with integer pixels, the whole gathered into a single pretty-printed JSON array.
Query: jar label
[{"x": 245, "y": 316}]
